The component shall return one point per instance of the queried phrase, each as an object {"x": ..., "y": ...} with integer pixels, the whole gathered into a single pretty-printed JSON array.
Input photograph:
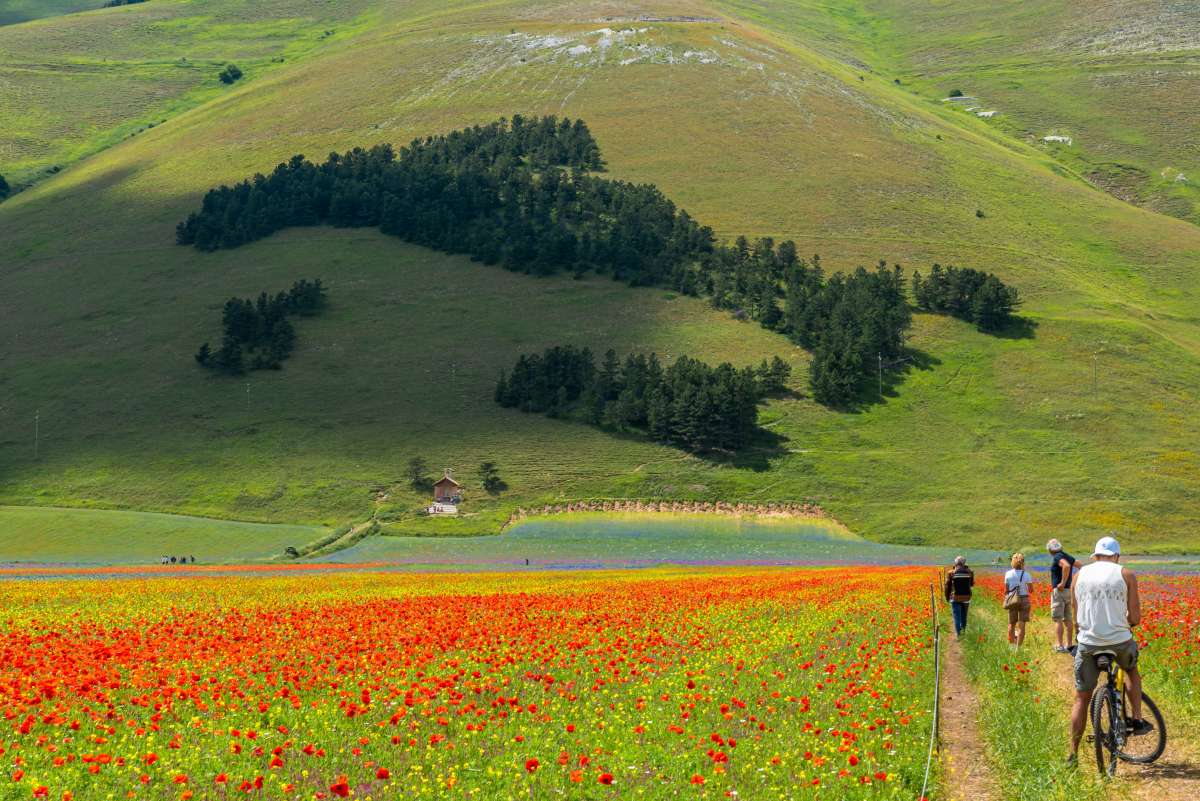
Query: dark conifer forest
[
  {"x": 967, "y": 294},
  {"x": 258, "y": 334},
  {"x": 524, "y": 194},
  {"x": 689, "y": 404}
]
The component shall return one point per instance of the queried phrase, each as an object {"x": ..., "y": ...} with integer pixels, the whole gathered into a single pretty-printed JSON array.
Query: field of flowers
[
  {"x": 799, "y": 683},
  {"x": 1168, "y": 636}
]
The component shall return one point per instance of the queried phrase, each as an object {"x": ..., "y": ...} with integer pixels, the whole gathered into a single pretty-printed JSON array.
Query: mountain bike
[{"x": 1112, "y": 721}]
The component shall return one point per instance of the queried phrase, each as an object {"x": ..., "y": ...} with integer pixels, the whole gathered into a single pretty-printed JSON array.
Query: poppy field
[{"x": 752, "y": 683}]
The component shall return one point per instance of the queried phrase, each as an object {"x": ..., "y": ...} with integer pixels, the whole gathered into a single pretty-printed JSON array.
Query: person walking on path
[
  {"x": 1017, "y": 580},
  {"x": 1107, "y": 608},
  {"x": 959, "y": 581},
  {"x": 1062, "y": 611}
]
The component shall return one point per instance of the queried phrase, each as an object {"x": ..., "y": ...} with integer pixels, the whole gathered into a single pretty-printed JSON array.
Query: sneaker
[
  {"x": 1059, "y": 649},
  {"x": 1138, "y": 727}
]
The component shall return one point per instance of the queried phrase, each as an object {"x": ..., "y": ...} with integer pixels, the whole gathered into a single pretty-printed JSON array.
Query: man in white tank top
[{"x": 1107, "y": 606}]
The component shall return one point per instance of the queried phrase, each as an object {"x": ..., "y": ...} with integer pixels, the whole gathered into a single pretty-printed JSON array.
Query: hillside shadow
[
  {"x": 870, "y": 393},
  {"x": 764, "y": 446},
  {"x": 1017, "y": 328}
]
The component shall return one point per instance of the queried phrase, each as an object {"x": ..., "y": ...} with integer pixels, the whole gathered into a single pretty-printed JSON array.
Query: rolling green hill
[
  {"x": 14, "y": 11},
  {"x": 756, "y": 121},
  {"x": 1116, "y": 79}
]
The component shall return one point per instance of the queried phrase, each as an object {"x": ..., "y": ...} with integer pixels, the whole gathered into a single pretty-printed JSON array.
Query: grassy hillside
[
  {"x": 104, "y": 537},
  {"x": 1117, "y": 78},
  {"x": 77, "y": 84},
  {"x": 14, "y": 11},
  {"x": 750, "y": 124}
]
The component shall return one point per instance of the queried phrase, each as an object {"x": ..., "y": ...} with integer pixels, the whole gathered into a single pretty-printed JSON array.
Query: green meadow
[
  {"x": 758, "y": 123},
  {"x": 1117, "y": 79},
  {"x": 89, "y": 536}
]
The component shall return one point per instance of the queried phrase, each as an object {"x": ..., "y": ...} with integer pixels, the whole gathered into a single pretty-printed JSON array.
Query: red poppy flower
[
  {"x": 606, "y": 778},
  {"x": 383, "y": 773},
  {"x": 531, "y": 765},
  {"x": 340, "y": 789}
]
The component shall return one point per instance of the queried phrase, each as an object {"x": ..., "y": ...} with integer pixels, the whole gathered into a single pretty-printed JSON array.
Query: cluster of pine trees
[
  {"x": 689, "y": 404},
  {"x": 5, "y": 189},
  {"x": 258, "y": 334},
  {"x": 520, "y": 193},
  {"x": 515, "y": 193},
  {"x": 851, "y": 322},
  {"x": 971, "y": 295}
]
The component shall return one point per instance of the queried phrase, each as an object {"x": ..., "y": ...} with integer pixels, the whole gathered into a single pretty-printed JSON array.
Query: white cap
[{"x": 1107, "y": 546}]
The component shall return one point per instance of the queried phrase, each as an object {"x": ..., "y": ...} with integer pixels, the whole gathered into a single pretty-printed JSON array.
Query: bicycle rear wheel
[
  {"x": 1105, "y": 724},
  {"x": 1145, "y": 748}
]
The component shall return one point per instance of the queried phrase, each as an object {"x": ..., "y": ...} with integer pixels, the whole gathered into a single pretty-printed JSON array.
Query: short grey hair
[
  {"x": 1053, "y": 546},
  {"x": 960, "y": 560}
]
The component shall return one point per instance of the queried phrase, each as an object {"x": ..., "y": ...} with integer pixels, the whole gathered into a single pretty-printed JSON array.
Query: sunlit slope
[
  {"x": 15, "y": 11},
  {"x": 745, "y": 126},
  {"x": 1118, "y": 78},
  {"x": 72, "y": 85}
]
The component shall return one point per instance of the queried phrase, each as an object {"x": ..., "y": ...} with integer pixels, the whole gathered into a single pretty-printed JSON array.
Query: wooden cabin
[{"x": 447, "y": 490}]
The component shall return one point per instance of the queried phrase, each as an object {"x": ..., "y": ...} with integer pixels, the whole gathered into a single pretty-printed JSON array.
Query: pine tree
[{"x": 417, "y": 474}]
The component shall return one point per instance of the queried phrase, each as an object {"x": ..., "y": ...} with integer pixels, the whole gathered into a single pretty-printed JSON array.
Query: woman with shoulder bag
[{"x": 1017, "y": 583}]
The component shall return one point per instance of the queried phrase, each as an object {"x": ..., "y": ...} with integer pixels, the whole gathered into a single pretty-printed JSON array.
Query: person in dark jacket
[{"x": 959, "y": 581}]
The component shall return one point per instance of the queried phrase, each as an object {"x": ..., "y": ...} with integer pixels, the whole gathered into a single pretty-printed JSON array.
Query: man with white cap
[
  {"x": 1062, "y": 612},
  {"x": 1107, "y": 606}
]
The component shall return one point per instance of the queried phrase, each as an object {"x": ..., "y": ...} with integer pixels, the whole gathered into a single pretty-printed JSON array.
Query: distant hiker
[
  {"x": 193, "y": 560},
  {"x": 1062, "y": 606},
  {"x": 959, "y": 581},
  {"x": 1107, "y": 607},
  {"x": 527, "y": 561},
  {"x": 1017, "y": 583},
  {"x": 172, "y": 560}
]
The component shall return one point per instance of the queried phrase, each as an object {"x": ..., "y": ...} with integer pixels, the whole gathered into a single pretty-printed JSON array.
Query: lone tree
[
  {"x": 956, "y": 93},
  {"x": 489, "y": 476},
  {"x": 417, "y": 469},
  {"x": 230, "y": 74}
]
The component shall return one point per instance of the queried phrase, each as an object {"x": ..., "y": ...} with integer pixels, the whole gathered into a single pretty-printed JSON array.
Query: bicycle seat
[{"x": 1104, "y": 659}]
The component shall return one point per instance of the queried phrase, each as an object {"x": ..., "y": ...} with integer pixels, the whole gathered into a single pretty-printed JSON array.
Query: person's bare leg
[
  {"x": 1133, "y": 688},
  {"x": 1058, "y": 630},
  {"x": 1020, "y": 634},
  {"x": 1083, "y": 698},
  {"x": 1012, "y": 632},
  {"x": 1070, "y": 624}
]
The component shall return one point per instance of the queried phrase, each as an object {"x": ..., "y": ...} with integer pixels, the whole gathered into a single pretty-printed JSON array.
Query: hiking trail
[{"x": 968, "y": 775}]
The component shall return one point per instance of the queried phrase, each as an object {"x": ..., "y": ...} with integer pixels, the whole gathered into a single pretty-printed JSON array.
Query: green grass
[
  {"x": 88, "y": 536},
  {"x": 1118, "y": 78},
  {"x": 1023, "y": 724},
  {"x": 14, "y": 11},
  {"x": 86, "y": 82},
  {"x": 991, "y": 441}
]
